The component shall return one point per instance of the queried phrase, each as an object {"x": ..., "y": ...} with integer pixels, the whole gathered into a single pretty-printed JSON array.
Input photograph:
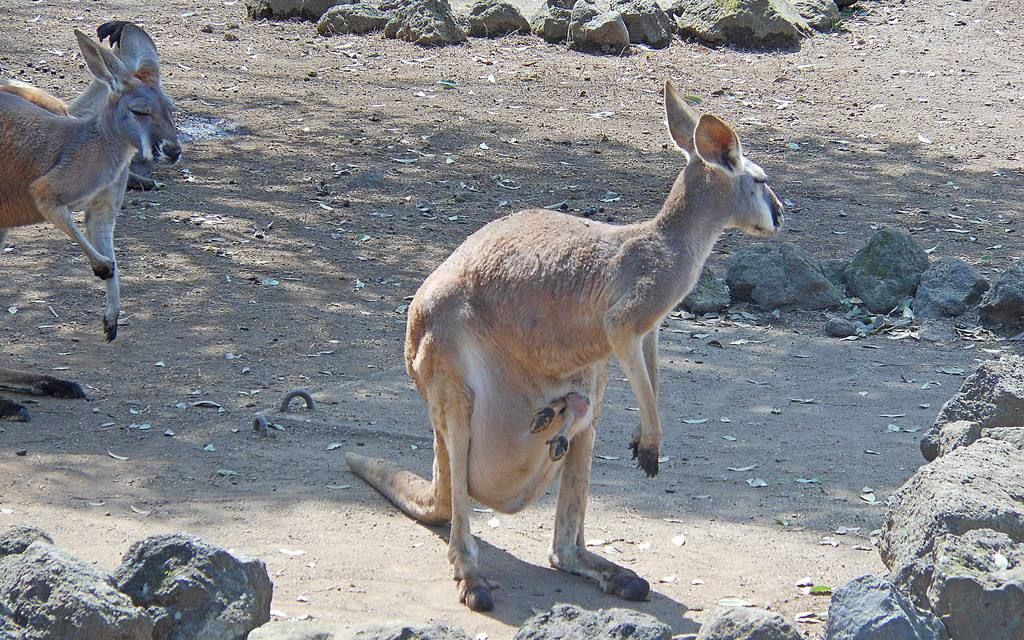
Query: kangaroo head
[
  {"x": 139, "y": 111},
  {"x": 734, "y": 186}
]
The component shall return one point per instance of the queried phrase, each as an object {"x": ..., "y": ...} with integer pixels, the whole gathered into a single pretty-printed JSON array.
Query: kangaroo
[
  {"x": 510, "y": 338},
  {"x": 51, "y": 165},
  {"x": 138, "y": 53}
]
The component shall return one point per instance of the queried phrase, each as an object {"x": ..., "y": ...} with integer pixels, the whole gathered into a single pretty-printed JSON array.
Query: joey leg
[{"x": 576, "y": 407}]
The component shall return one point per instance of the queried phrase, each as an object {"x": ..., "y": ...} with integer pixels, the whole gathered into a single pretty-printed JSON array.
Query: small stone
[
  {"x": 744, "y": 23},
  {"x": 424, "y": 22},
  {"x": 746, "y": 623},
  {"x": 886, "y": 271},
  {"x": 1002, "y": 308},
  {"x": 781, "y": 276},
  {"x": 566, "y": 621},
  {"x": 231, "y": 36},
  {"x": 494, "y": 18},
  {"x": 21, "y": 452},
  {"x": 870, "y": 608},
  {"x": 948, "y": 288}
]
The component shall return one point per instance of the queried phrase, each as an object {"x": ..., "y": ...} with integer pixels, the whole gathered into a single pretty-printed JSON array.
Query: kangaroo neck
[
  {"x": 104, "y": 127},
  {"x": 689, "y": 224}
]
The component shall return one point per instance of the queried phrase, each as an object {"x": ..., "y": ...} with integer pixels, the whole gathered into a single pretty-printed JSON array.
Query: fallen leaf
[
  {"x": 742, "y": 469},
  {"x": 334, "y": 445},
  {"x": 695, "y": 420},
  {"x": 292, "y": 553},
  {"x": 757, "y": 482},
  {"x": 679, "y": 540},
  {"x": 734, "y": 602},
  {"x": 115, "y": 456}
]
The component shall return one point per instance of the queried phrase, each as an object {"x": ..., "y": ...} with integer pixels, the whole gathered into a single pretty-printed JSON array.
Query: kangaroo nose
[{"x": 172, "y": 151}]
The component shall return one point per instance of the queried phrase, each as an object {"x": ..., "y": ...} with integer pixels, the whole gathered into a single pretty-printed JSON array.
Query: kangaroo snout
[{"x": 169, "y": 152}]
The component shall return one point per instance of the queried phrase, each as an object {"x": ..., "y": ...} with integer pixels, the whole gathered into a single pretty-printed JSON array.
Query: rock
[
  {"x": 294, "y": 630},
  {"x": 592, "y": 30},
  {"x": 1002, "y": 308},
  {"x": 975, "y": 487},
  {"x": 745, "y": 623},
  {"x": 569, "y": 622},
  {"x": 870, "y": 608},
  {"x": 992, "y": 396},
  {"x": 351, "y": 18},
  {"x": 819, "y": 14},
  {"x": 193, "y": 589},
  {"x": 645, "y": 21},
  {"x": 843, "y": 328},
  {"x": 46, "y": 594},
  {"x": 781, "y": 277},
  {"x": 284, "y": 9},
  {"x": 834, "y": 269},
  {"x": 423, "y": 22},
  {"x": 977, "y": 585},
  {"x": 948, "y": 288},
  {"x": 886, "y": 271},
  {"x": 745, "y": 23},
  {"x": 842, "y": 4},
  {"x": 493, "y": 18},
  {"x": 709, "y": 295},
  {"x": 17, "y": 539},
  {"x": 551, "y": 21}
]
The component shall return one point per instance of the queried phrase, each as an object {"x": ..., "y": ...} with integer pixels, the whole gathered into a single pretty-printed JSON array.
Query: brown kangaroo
[
  {"x": 509, "y": 340},
  {"x": 51, "y": 165}
]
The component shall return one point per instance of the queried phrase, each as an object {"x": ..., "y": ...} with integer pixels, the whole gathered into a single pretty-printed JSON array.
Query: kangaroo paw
[
  {"x": 558, "y": 447},
  {"x": 627, "y": 585},
  {"x": 13, "y": 411},
  {"x": 475, "y": 593}
]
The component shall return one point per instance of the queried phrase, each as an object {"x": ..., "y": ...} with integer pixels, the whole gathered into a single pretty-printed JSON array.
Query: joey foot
[
  {"x": 558, "y": 447},
  {"x": 475, "y": 593}
]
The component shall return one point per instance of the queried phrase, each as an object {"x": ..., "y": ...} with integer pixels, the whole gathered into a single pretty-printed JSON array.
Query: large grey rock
[
  {"x": 1002, "y": 308},
  {"x": 975, "y": 487},
  {"x": 646, "y": 22},
  {"x": 948, "y": 288},
  {"x": 47, "y": 594},
  {"x": 992, "y": 396},
  {"x": 424, "y": 22},
  {"x": 493, "y": 18},
  {"x": 284, "y": 9},
  {"x": 709, "y": 295},
  {"x": 745, "y": 623},
  {"x": 293, "y": 630},
  {"x": 551, "y": 22},
  {"x": 780, "y": 276},
  {"x": 569, "y": 622},
  {"x": 593, "y": 30},
  {"x": 193, "y": 589},
  {"x": 820, "y": 14},
  {"x": 351, "y": 18},
  {"x": 977, "y": 586},
  {"x": 870, "y": 608},
  {"x": 744, "y": 23},
  {"x": 886, "y": 271}
]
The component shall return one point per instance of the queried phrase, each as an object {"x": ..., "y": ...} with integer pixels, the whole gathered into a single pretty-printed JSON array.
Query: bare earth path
[{"x": 281, "y": 256}]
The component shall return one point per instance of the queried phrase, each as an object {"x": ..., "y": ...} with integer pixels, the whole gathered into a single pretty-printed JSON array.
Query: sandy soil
[{"x": 908, "y": 118}]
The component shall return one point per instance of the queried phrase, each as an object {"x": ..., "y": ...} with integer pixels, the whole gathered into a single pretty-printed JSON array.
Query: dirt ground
[{"x": 282, "y": 255}]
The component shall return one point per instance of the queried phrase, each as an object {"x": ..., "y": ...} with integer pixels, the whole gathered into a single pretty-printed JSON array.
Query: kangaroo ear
[
  {"x": 680, "y": 120},
  {"x": 138, "y": 51},
  {"x": 717, "y": 143},
  {"x": 102, "y": 62}
]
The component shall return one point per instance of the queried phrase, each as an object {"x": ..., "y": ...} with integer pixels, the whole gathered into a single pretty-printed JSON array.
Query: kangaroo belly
[{"x": 18, "y": 211}]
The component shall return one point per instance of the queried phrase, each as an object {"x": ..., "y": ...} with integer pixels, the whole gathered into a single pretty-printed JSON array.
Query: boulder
[
  {"x": 493, "y": 18},
  {"x": 592, "y": 30},
  {"x": 948, "y": 288},
  {"x": 193, "y": 589},
  {"x": 781, "y": 277},
  {"x": 285, "y": 9},
  {"x": 551, "y": 22},
  {"x": 975, "y": 487},
  {"x": 46, "y": 594},
  {"x": 992, "y": 396},
  {"x": 294, "y": 630},
  {"x": 645, "y": 21},
  {"x": 834, "y": 269},
  {"x": 569, "y": 622},
  {"x": 755, "y": 24},
  {"x": 746, "y": 623},
  {"x": 424, "y": 22},
  {"x": 870, "y": 608},
  {"x": 351, "y": 18},
  {"x": 886, "y": 271},
  {"x": 819, "y": 14},
  {"x": 1002, "y": 308},
  {"x": 977, "y": 585},
  {"x": 709, "y": 295}
]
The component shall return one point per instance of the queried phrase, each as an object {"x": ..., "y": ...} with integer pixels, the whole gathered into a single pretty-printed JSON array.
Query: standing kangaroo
[
  {"x": 51, "y": 165},
  {"x": 138, "y": 53},
  {"x": 509, "y": 340}
]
